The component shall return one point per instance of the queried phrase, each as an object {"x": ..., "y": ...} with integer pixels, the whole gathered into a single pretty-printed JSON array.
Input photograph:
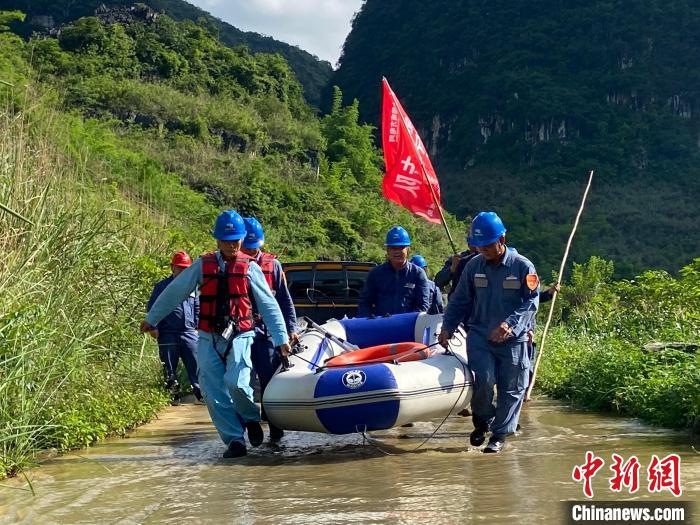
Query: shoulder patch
[{"x": 532, "y": 281}]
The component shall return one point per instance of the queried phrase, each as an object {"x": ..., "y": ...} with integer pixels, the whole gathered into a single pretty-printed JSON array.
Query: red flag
[{"x": 407, "y": 163}]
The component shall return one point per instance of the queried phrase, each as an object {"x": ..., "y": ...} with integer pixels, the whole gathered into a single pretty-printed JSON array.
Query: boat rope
[{"x": 374, "y": 442}]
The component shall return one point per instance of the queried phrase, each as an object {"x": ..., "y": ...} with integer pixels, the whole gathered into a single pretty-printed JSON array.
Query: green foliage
[
  {"x": 520, "y": 100},
  {"x": 595, "y": 359}
]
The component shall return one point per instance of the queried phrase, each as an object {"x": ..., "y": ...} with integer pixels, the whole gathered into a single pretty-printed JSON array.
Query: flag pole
[
  {"x": 437, "y": 203},
  {"x": 554, "y": 295}
]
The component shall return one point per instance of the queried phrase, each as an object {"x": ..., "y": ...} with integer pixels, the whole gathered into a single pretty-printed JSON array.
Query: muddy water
[{"x": 171, "y": 471}]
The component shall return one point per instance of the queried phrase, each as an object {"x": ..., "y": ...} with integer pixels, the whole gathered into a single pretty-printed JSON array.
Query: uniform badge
[{"x": 532, "y": 281}]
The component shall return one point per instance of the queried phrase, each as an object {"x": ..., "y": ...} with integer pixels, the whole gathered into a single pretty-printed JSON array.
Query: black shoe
[
  {"x": 477, "y": 437},
  {"x": 255, "y": 433},
  {"x": 407, "y": 425},
  {"x": 276, "y": 434},
  {"x": 496, "y": 444},
  {"x": 235, "y": 449}
]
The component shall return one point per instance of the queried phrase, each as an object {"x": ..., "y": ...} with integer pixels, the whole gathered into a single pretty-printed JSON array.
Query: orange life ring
[{"x": 388, "y": 353}]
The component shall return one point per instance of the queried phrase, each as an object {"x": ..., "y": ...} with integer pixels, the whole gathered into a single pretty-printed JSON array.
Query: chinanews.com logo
[{"x": 629, "y": 476}]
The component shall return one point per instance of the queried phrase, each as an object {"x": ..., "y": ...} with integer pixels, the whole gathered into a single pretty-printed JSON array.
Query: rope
[{"x": 366, "y": 438}]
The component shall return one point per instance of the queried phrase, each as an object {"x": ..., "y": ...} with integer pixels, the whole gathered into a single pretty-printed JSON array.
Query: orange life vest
[
  {"x": 235, "y": 288},
  {"x": 266, "y": 261},
  {"x": 389, "y": 353}
]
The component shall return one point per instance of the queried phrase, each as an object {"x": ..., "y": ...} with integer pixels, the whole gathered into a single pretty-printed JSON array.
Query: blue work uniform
[
  {"x": 265, "y": 358},
  {"x": 436, "y": 306},
  {"x": 388, "y": 291},
  {"x": 225, "y": 386},
  {"x": 445, "y": 276},
  {"x": 544, "y": 297},
  {"x": 487, "y": 295},
  {"x": 177, "y": 335}
]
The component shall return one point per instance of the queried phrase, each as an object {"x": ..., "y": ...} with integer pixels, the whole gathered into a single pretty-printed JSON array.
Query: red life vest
[
  {"x": 266, "y": 261},
  {"x": 240, "y": 308}
]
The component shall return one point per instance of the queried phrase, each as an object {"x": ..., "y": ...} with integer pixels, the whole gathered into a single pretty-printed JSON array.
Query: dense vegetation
[
  {"x": 120, "y": 144},
  {"x": 312, "y": 73},
  {"x": 594, "y": 355},
  {"x": 518, "y": 100}
]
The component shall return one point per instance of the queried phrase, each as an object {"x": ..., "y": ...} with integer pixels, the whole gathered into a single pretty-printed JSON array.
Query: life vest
[
  {"x": 388, "y": 353},
  {"x": 232, "y": 287},
  {"x": 266, "y": 261}
]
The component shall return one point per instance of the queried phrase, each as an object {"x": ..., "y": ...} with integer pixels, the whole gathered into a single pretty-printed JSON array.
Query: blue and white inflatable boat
[{"x": 417, "y": 380}]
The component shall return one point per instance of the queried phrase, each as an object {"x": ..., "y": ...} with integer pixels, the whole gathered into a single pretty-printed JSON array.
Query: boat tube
[{"x": 399, "y": 375}]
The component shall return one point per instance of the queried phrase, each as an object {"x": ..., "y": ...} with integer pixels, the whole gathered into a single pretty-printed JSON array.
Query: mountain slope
[
  {"x": 313, "y": 74},
  {"x": 517, "y": 101}
]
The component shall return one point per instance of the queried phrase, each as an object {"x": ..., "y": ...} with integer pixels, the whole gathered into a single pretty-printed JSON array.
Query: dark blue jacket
[
  {"x": 183, "y": 319},
  {"x": 444, "y": 277},
  {"x": 435, "y": 299},
  {"x": 389, "y": 291},
  {"x": 283, "y": 297}
]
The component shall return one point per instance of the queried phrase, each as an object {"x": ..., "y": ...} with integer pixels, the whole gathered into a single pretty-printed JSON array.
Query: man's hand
[
  {"x": 285, "y": 350},
  {"x": 554, "y": 288},
  {"x": 444, "y": 338},
  {"x": 455, "y": 262},
  {"x": 293, "y": 338},
  {"x": 500, "y": 333},
  {"x": 147, "y": 327}
]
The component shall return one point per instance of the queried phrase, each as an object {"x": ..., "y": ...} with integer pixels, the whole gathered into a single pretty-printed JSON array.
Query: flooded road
[{"x": 171, "y": 471}]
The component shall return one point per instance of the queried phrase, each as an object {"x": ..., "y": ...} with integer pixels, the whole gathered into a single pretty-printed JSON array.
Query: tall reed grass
[{"x": 73, "y": 281}]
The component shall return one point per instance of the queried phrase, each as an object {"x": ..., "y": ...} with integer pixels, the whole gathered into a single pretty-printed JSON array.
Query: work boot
[
  {"x": 276, "y": 434},
  {"x": 464, "y": 412},
  {"x": 496, "y": 444},
  {"x": 477, "y": 437},
  {"x": 407, "y": 425},
  {"x": 255, "y": 433},
  {"x": 198, "y": 398},
  {"x": 235, "y": 449}
]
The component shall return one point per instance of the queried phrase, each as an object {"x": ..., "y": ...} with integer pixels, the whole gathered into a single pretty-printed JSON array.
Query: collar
[{"x": 508, "y": 257}]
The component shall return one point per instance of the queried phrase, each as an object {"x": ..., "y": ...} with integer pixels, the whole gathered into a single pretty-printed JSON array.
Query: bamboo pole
[{"x": 559, "y": 277}]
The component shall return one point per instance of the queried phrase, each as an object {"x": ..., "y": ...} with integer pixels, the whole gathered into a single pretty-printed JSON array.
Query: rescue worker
[
  {"x": 498, "y": 294},
  {"x": 397, "y": 286},
  {"x": 452, "y": 270},
  {"x": 264, "y": 357},
  {"x": 177, "y": 333},
  {"x": 435, "y": 293},
  {"x": 229, "y": 281}
]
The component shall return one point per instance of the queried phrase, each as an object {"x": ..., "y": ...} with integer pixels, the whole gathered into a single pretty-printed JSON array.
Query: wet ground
[{"x": 171, "y": 471}]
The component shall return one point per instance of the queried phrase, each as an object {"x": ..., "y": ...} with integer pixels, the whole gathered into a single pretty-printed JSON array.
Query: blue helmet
[
  {"x": 255, "y": 236},
  {"x": 486, "y": 229},
  {"x": 229, "y": 226},
  {"x": 397, "y": 236},
  {"x": 419, "y": 261}
]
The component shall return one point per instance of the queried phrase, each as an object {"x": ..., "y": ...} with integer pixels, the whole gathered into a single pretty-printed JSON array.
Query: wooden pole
[
  {"x": 437, "y": 203},
  {"x": 559, "y": 277}
]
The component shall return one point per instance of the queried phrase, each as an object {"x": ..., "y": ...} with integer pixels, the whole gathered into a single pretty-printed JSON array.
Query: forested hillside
[
  {"x": 119, "y": 144},
  {"x": 517, "y": 100},
  {"x": 313, "y": 74}
]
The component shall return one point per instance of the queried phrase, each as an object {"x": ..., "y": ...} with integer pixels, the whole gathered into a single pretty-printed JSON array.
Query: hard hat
[
  {"x": 419, "y": 260},
  {"x": 487, "y": 228},
  {"x": 397, "y": 236},
  {"x": 255, "y": 236},
  {"x": 229, "y": 226},
  {"x": 181, "y": 259}
]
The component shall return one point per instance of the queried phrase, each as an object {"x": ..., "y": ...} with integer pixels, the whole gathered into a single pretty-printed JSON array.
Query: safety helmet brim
[
  {"x": 252, "y": 245},
  {"x": 229, "y": 237}
]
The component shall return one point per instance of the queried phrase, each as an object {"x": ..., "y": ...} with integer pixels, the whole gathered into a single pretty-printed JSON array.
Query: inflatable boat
[{"x": 364, "y": 374}]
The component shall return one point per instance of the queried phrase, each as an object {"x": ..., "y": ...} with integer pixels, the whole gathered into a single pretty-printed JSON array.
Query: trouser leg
[
  {"x": 513, "y": 375},
  {"x": 188, "y": 353},
  {"x": 237, "y": 378},
  {"x": 482, "y": 363},
  {"x": 211, "y": 374},
  {"x": 265, "y": 362}
]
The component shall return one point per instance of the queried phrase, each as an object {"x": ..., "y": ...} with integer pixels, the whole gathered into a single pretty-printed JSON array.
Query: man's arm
[
  {"x": 154, "y": 295},
  {"x": 267, "y": 305},
  {"x": 177, "y": 291},
  {"x": 444, "y": 276},
  {"x": 284, "y": 298},
  {"x": 520, "y": 320},
  {"x": 460, "y": 304},
  {"x": 438, "y": 300},
  {"x": 421, "y": 293}
]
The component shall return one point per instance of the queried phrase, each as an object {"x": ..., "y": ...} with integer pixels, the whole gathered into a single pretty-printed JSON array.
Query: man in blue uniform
[
  {"x": 435, "y": 293},
  {"x": 265, "y": 359},
  {"x": 452, "y": 270},
  {"x": 498, "y": 295},
  {"x": 229, "y": 281},
  {"x": 397, "y": 286},
  {"x": 177, "y": 333}
]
